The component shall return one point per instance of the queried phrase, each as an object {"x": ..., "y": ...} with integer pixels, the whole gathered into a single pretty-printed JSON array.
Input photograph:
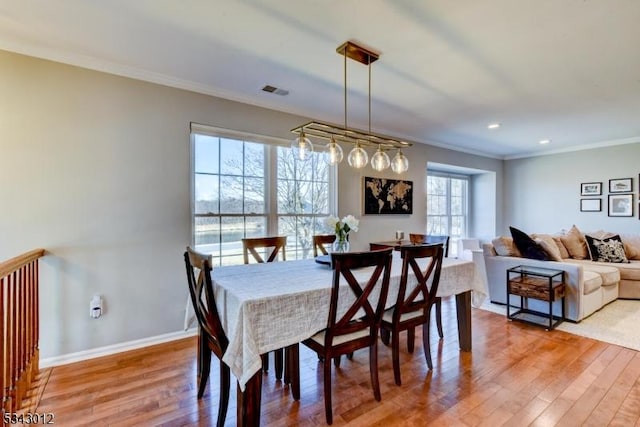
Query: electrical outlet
[{"x": 95, "y": 306}]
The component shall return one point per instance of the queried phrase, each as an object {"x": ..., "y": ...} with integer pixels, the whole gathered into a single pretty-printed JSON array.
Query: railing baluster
[
  {"x": 4, "y": 383},
  {"x": 19, "y": 329}
]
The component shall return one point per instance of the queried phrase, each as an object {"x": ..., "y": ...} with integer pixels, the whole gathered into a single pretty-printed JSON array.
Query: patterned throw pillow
[{"x": 610, "y": 249}]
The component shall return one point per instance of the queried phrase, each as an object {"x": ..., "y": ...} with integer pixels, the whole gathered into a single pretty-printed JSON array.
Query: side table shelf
[{"x": 539, "y": 283}]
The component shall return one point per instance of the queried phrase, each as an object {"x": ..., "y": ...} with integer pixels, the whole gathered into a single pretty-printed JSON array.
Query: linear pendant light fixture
[{"x": 334, "y": 134}]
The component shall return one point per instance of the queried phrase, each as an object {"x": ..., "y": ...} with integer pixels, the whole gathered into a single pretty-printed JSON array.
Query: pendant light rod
[{"x": 345, "y": 88}]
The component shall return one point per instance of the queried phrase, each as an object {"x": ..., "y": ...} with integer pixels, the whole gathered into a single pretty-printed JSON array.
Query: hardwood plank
[{"x": 516, "y": 375}]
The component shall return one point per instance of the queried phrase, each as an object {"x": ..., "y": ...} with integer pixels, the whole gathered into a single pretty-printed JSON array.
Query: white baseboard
[{"x": 115, "y": 348}]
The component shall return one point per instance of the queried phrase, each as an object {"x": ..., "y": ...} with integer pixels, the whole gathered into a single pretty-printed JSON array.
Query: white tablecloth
[{"x": 268, "y": 306}]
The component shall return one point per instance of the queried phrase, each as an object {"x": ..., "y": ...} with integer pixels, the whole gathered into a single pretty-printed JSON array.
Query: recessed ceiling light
[
  {"x": 545, "y": 141},
  {"x": 494, "y": 125}
]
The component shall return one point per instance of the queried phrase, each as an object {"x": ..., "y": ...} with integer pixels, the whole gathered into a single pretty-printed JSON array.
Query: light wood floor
[{"x": 516, "y": 375}]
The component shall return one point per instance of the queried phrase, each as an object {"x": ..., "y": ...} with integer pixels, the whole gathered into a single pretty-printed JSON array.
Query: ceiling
[{"x": 566, "y": 70}]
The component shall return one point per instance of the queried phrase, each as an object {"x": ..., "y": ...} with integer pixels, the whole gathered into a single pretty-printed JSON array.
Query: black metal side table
[{"x": 539, "y": 283}]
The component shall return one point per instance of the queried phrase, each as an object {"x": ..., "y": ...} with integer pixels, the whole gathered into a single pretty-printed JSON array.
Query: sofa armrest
[{"x": 496, "y": 269}]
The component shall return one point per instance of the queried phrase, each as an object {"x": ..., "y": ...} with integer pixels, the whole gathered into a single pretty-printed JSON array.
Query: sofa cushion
[
  {"x": 610, "y": 275},
  {"x": 548, "y": 244},
  {"x": 630, "y": 271},
  {"x": 527, "y": 246},
  {"x": 592, "y": 282},
  {"x": 504, "y": 246},
  {"x": 631, "y": 245},
  {"x": 609, "y": 249},
  {"x": 564, "y": 253},
  {"x": 575, "y": 243}
]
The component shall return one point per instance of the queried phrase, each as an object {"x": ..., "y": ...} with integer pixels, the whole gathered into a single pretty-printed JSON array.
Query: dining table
[{"x": 268, "y": 306}]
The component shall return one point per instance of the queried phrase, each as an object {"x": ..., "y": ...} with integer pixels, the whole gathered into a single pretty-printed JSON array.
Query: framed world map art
[{"x": 387, "y": 196}]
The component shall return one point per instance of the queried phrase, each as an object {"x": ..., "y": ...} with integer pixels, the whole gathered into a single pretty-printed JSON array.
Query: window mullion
[{"x": 271, "y": 187}]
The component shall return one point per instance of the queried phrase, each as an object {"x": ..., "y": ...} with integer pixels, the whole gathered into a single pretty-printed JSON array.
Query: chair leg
[
  {"x": 265, "y": 362},
  {"x": 292, "y": 369},
  {"x": 439, "y": 316},
  {"x": 425, "y": 343},
  {"x": 350, "y": 356},
  {"x": 328, "y": 411},
  {"x": 278, "y": 357},
  {"x": 395, "y": 356},
  {"x": 411, "y": 337},
  {"x": 336, "y": 361},
  {"x": 225, "y": 384},
  {"x": 373, "y": 368},
  {"x": 204, "y": 356}
]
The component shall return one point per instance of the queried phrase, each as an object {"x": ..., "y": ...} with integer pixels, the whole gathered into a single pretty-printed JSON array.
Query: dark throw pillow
[
  {"x": 527, "y": 246},
  {"x": 610, "y": 249}
]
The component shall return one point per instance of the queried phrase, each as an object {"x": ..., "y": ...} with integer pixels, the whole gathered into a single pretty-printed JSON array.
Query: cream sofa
[{"x": 590, "y": 284}]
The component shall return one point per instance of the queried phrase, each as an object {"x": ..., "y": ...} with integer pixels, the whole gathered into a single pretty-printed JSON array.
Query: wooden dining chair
[
  {"x": 319, "y": 242},
  {"x": 357, "y": 327},
  {"x": 271, "y": 246},
  {"x": 211, "y": 336},
  {"x": 431, "y": 239},
  {"x": 413, "y": 306}
]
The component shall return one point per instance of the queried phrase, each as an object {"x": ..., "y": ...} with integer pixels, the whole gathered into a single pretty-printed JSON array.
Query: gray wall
[
  {"x": 483, "y": 213},
  {"x": 542, "y": 194},
  {"x": 95, "y": 169}
]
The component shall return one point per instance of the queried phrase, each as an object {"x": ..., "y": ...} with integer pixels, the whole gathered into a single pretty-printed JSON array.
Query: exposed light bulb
[
  {"x": 302, "y": 147},
  {"x": 380, "y": 160},
  {"x": 333, "y": 153},
  {"x": 400, "y": 163},
  {"x": 358, "y": 158}
]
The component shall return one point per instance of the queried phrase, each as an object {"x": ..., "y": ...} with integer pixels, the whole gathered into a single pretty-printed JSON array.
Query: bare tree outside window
[
  {"x": 447, "y": 208},
  {"x": 232, "y": 193}
]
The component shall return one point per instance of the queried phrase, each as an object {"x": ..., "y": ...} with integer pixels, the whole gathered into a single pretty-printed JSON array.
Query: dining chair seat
[
  {"x": 388, "y": 315},
  {"x": 320, "y": 337}
]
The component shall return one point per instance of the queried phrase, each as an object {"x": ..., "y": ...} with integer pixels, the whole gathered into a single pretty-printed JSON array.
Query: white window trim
[{"x": 270, "y": 175}]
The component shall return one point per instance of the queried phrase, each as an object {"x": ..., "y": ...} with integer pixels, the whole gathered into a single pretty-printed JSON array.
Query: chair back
[
  {"x": 203, "y": 299},
  {"x": 429, "y": 239},
  {"x": 423, "y": 295},
  {"x": 360, "y": 314},
  {"x": 319, "y": 240},
  {"x": 276, "y": 244}
]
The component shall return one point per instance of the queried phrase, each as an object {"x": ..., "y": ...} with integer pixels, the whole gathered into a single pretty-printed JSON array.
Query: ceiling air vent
[{"x": 277, "y": 91}]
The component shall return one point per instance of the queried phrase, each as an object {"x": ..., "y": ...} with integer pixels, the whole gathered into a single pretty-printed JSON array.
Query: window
[
  {"x": 447, "y": 200},
  {"x": 249, "y": 186}
]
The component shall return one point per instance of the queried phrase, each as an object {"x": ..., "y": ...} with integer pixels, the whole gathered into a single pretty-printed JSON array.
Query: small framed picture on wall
[
  {"x": 620, "y": 204},
  {"x": 621, "y": 185},
  {"x": 591, "y": 189},
  {"x": 590, "y": 205}
]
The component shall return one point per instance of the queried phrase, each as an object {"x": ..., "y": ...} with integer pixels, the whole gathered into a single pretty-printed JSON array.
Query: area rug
[{"x": 616, "y": 323}]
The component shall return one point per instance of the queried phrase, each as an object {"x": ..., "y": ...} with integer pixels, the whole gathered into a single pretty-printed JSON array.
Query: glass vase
[{"x": 340, "y": 245}]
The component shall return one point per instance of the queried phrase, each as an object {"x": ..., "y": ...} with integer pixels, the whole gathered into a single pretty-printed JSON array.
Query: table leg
[
  {"x": 248, "y": 402},
  {"x": 463, "y": 310}
]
